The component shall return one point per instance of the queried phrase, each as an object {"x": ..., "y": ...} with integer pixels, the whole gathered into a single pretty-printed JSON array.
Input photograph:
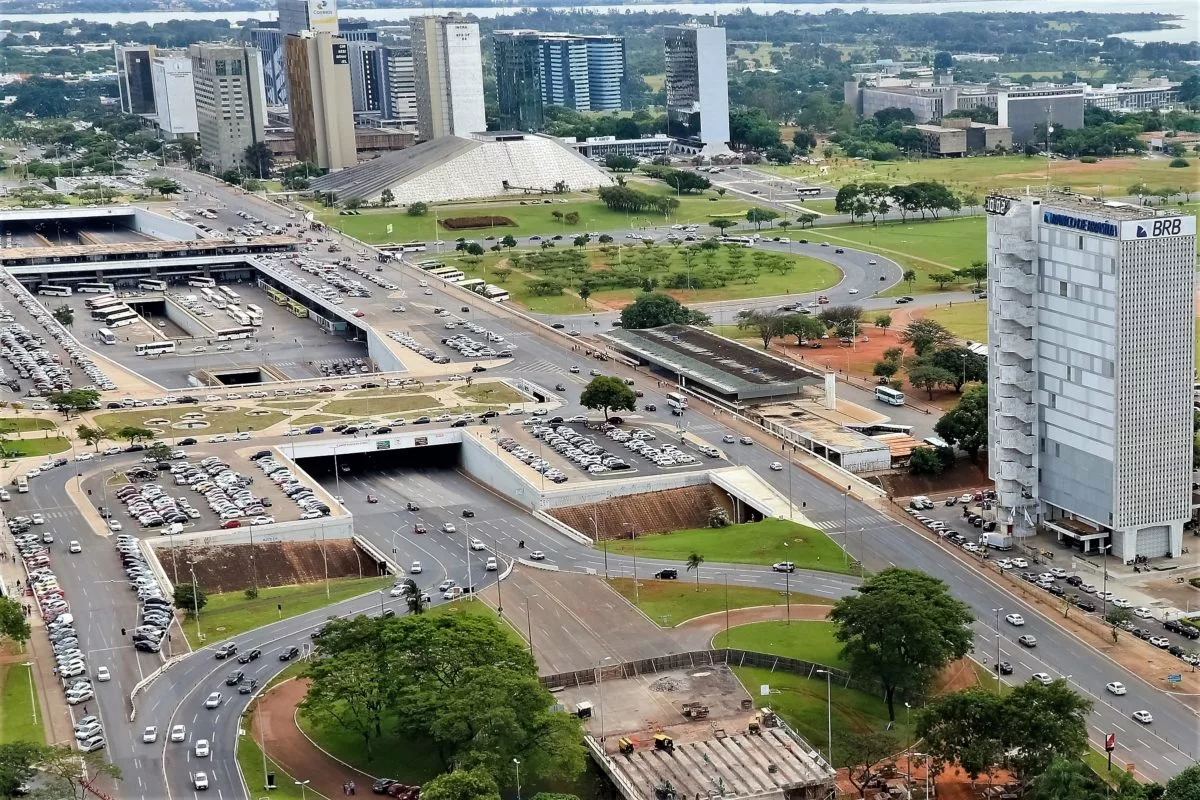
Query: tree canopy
[
  {"x": 605, "y": 393},
  {"x": 966, "y": 425},
  {"x": 654, "y": 309}
]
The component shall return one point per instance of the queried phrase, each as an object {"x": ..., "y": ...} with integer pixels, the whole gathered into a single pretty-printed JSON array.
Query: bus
[
  {"x": 104, "y": 301},
  {"x": 121, "y": 320},
  {"x": 209, "y": 294},
  {"x": 495, "y": 293},
  {"x": 677, "y": 399},
  {"x": 95, "y": 288},
  {"x": 201, "y": 282},
  {"x": 254, "y": 313},
  {"x": 809, "y": 191},
  {"x": 108, "y": 312},
  {"x": 277, "y": 297},
  {"x": 239, "y": 316},
  {"x": 22, "y": 484},
  {"x": 233, "y": 297},
  {"x": 228, "y": 334},
  {"x": 152, "y": 286},
  {"x": 54, "y": 291},
  {"x": 155, "y": 348},
  {"x": 474, "y": 284},
  {"x": 887, "y": 394},
  {"x": 744, "y": 241},
  {"x": 106, "y": 336},
  {"x": 412, "y": 247},
  {"x": 448, "y": 274}
]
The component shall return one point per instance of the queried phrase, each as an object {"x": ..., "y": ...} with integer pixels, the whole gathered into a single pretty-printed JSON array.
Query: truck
[{"x": 998, "y": 541}]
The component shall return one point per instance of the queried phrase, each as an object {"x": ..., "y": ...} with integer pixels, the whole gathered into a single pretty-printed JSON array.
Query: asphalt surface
[{"x": 1159, "y": 750}]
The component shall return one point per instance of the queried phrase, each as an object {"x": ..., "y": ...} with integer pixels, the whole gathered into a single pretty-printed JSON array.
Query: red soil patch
[{"x": 228, "y": 568}]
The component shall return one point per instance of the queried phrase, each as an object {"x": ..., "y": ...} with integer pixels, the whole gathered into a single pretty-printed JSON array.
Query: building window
[
  {"x": 1062, "y": 288},
  {"x": 219, "y": 66},
  {"x": 235, "y": 67}
]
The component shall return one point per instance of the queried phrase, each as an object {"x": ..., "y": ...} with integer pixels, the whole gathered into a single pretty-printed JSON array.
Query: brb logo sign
[
  {"x": 1080, "y": 224},
  {"x": 1160, "y": 227}
]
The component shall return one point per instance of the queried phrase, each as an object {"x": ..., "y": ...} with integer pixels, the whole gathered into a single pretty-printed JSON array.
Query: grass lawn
[
  {"x": 491, "y": 392},
  {"x": 807, "y": 640},
  {"x": 669, "y": 603},
  {"x": 965, "y": 320},
  {"x": 802, "y": 703},
  {"x": 314, "y": 419},
  {"x": 923, "y": 246},
  {"x": 1109, "y": 176},
  {"x": 734, "y": 332},
  {"x": 22, "y": 424},
  {"x": 1099, "y": 763},
  {"x": 386, "y": 404},
  {"x": 16, "y": 710},
  {"x": 230, "y": 613},
  {"x": 20, "y": 448},
  {"x": 218, "y": 421},
  {"x": 751, "y": 543},
  {"x": 250, "y": 759},
  {"x": 289, "y": 405}
]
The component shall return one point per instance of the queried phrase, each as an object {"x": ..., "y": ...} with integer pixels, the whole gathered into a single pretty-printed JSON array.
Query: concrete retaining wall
[
  {"x": 385, "y": 360},
  {"x": 305, "y": 530},
  {"x": 483, "y": 465},
  {"x": 590, "y": 492}
]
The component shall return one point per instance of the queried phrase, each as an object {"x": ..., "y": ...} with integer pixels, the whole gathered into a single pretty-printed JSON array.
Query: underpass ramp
[{"x": 745, "y": 485}]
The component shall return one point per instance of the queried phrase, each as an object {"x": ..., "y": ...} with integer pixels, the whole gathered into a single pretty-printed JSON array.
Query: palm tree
[
  {"x": 416, "y": 601},
  {"x": 65, "y": 316},
  {"x": 693, "y": 563}
]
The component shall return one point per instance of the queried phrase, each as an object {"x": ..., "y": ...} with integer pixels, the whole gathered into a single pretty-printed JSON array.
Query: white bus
[
  {"x": 229, "y": 334},
  {"x": 208, "y": 293},
  {"x": 448, "y": 274},
  {"x": 121, "y": 320},
  {"x": 104, "y": 301},
  {"x": 95, "y": 288},
  {"x": 22, "y": 484},
  {"x": 54, "y": 291},
  {"x": 809, "y": 191},
  {"x": 238, "y": 316},
  {"x": 108, "y": 312},
  {"x": 495, "y": 293},
  {"x": 201, "y": 282},
  {"x": 887, "y": 394},
  {"x": 254, "y": 313},
  {"x": 679, "y": 400},
  {"x": 744, "y": 241},
  {"x": 412, "y": 247},
  {"x": 230, "y": 295},
  {"x": 152, "y": 286},
  {"x": 106, "y": 336},
  {"x": 155, "y": 348}
]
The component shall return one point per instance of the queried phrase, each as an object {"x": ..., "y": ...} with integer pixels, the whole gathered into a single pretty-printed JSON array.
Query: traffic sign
[
  {"x": 1110, "y": 742},
  {"x": 1175, "y": 677}
]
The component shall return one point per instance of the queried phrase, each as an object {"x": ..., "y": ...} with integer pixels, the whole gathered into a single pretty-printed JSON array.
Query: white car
[
  {"x": 1020, "y": 563},
  {"x": 416, "y": 568},
  {"x": 218, "y": 439},
  {"x": 1143, "y": 612},
  {"x": 202, "y": 748},
  {"x": 178, "y": 733},
  {"x": 1143, "y": 716},
  {"x": 84, "y": 457},
  {"x": 112, "y": 451},
  {"x": 1015, "y": 619},
  {"x": 37, "y": 519},
  {"x": 1121, "y": 602},
  {"x": 397, "y": 591},
  {"x": 102, "y": 674},
  {"x": 448, "y": 527},
  {"x": 776, "y": 466},
  {"x": 74, "y": 547},
  {"x": 213, "y": 700},
  {"x": 150, "y": 734},
  {"x": 200, "y": 780},
  {"x": 537, "y": 555},
  {"x": 1042, "y": 678},
  {"x": 242, "y": 437},
  {"x": 1116, "y": 687},
  {"x": 476, "y": 544},
  {"x": 293, "y": 432},
  {"x": 114, "y": 525}
]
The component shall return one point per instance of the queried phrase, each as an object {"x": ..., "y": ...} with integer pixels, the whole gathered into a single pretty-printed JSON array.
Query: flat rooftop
[
  {"x": 814, "y": 421},
  {"x": 713, "y": 361},
  {"x": 144, "y": 246},
  {"x": 1110, "y": 209}
]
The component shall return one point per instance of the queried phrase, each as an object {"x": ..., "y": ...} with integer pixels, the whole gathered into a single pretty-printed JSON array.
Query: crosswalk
[
  {"x": 538, "y": 366},
  {"x": 839, "y": 524}
]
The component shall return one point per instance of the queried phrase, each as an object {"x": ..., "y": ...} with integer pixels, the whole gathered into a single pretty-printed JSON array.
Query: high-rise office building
[
  {"x": 230, "y": 102},
  {"x": 535, "y": 69},
  {"x": 320, "y": 99},
  {"x": 448, "y": 76},
  {"x": 1090, "y": 369},
  {"x": 307, "y": 15},
  {"x": 1024, "y": 110},
  {"x": 174, "y": 96},
  {"x": 296, "y": 16},
  {"x": 366, "y": 76},
  {"x": 134, "y": 82},
  {"x": 697, "y": 84},
  {"x": 268, "y": 40},
  {"x": 399, "y": 86}
]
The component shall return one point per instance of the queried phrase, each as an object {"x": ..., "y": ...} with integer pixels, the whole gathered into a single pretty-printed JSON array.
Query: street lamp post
[
  {"x": 600, "y": 685},
  {"x": 1104, "y": 587},
  {"x": 517, "y": 763},
  {"x": 32, "y": 701},
  {"x": 302, "y": 784},
  {"x": 637, "y": 600},
  {"x": 828, "y": 714},
  {"x": 195, "y": 597},
  {"x": 997, "y": 611}
]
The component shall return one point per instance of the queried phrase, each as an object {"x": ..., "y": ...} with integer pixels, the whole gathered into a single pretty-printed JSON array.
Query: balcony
[
  {"x": 1013, "y": 471},
  {"x": 1018, "y": 346},
  {"x": 1018, "y": 377},
  {"x": 1018, "y": 279},
  {"x": 1017, "y": 408}
]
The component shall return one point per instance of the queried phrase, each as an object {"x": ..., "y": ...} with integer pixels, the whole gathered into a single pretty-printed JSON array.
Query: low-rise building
[
  {"x": 943, "y": 141},
  {"x": 982, "y": 137},
  {"x": 646, "y": 147},
  {"x": 1132, "y": 97}
]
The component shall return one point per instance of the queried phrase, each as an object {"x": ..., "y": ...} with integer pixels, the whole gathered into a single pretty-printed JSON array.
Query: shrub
[
  {"x": 1179, "y": 162},
  {"x": 462, "y": 223},
  {"x": 718, "y": 518},
  {"x": 1088, "y": 160}
]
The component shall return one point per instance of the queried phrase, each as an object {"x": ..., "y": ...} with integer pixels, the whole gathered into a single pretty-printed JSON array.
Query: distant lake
[{"x": 1188, "y": 12}]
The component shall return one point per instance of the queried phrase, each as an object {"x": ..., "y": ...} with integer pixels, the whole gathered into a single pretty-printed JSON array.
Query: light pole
[
  {"x": 997, "y": 611},
  {"x": 32, "y": 701},
  {"x": 600, "y": 685},
  {"x": 964, "y": 363},
  {"x": 529, "y": 624},
  {"x": 303, "y": 792},
  {"x": 637, "y": 600},
  {"x": 1104, "y": 588},
  {"x": 517, "y": 763},
  {"x": 195, "y": 598},
  {"x": 828, "y": 714}
]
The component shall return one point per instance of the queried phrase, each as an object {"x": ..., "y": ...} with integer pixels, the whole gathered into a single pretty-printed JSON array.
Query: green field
[
  {"x": 24, "y": 448},
  {"x": 17, "y": 707},
  {"x": 23, "y": 424},
  {"x": 669, "y": 603},
  {"x": 752, "y": 543},
  {"x": 802, "y": 704},
  {"x": 967, "y": 321},
  {"x": 230, "y": 613},
  {"x": 807, "y": 640},
  {"x": 1109, "y": 177},
  {"x": 218, "y": 421},
  {"x": 386, "y": 404},
  {"x": 250, "y": 759},
  {"x": 493, "y": 392}
]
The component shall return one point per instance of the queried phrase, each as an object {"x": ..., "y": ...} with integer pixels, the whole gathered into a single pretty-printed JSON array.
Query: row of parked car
[
  {"x": 311, "y": 506},
  {"x": 581, "y": 450},
  {"x": 226, "y": 491},
  {"x": 150, "y": 506},
  {"x": 412, "y": 344},
  {"x": 156, "y": 612},
  {"x": 473, "y": 348}
]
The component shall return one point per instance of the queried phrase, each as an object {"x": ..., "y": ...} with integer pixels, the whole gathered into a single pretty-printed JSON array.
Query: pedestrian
[
  {"x": 345, "y": 788},
  {"x": 352, "y": 787},
  {"x": 85, "y": 711}
]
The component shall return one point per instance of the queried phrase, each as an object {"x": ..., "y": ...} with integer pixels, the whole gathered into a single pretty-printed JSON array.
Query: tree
[
  {"x": 350, "y": 693},
  {"x": 259, "y": 159},
  {"x": 779, "y": 155},
  {"x": 474, "y": 249},
  {"x": 910, "y": 277},
  {"x": 189, "y": 149},
  {"x": 885, "y": 369},
  {"x": 1069, "y": 779},
  {"x": 74, "y": 400},
  {"x": 720, "y": 223},
  {"x": 694, "y": 560},
  {"x": 966, "y": 425},
  {"x": 901, "y": 628},
  {"x": 768, "y": 324},
  {"x": 414, "y": 597},
  {"x": 941, "y": 278},
  {"x": 862, "y": 752},
  {"x": 580, "y": 240},
  {"x": 760, "y": 215},
  {"x": 883, "y": 321},
  {"x": 606, "y": 393},
  {"x": 386, "y": 197},
  {"x": 190, "y": 598},
  {"x": 654, "y": 309},
  {"x": 59, "y": 768},
  {"x": 806, "y": 219},
  {"x": 461, "y": 784},
  {"x": 976, "y": 272},
  {"x": 65, "y": 315},
  {"x": 13, "y": 624},
  {"x": 1043, "y": 723},
  {"x": 159, "y": 451},
  {"x": 961, "y": 728},
  {"x": 91, "y": 435},
  {"x": 585, "y": 292},
  {"x": 1116, "y": 615},
  {"x": 620, "y": 163},
  {"x": 961, "y": 363},
  {"x": 508, "y": 241},
  {"x": 925, "y": 334},
  {"x": 1185, "y": 785},
  {"x": 803, "y": 327},
  {"x": 417, "y": 209},
  {"x": 928, "y": 377},
  {"x": 925, "y": 460},
  {"x": 943, "y": 61},
  {"x": 134, "y": 433},
  {"x": 163, "y": 186}
]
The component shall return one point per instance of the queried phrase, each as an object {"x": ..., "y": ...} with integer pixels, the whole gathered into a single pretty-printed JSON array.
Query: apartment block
[
  {"x": 320, "y": 99},
  {"x": 448, "y": 76},
  {"x": 697, "y": 83},
  {"x": 230, "y": 101}
]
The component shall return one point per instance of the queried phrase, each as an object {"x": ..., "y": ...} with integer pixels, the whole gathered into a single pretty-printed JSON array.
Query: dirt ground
[
  {"x": 965, "y": 475},
  {"x": 952, "y": 784},
  {"x": 1181, "y": 595},
  {"x": 228, "y": 568}
]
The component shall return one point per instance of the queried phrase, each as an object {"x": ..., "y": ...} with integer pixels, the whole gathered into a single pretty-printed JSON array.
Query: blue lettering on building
[{"x": 1076, "y": 223}]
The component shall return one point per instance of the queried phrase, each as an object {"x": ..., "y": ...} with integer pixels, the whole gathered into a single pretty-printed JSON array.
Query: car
[
  {"x": 776, "y": 466},
  {"x": 289, "y": 653},
  {"x": 448, "y": 527},
  {"x": 783, "y": 566},
  {"x": 213, "y": 700},
  {"x": 37, "y": 519},
  {"x": 200, "y": 780},
  {"x": 746, "y": 440},
  {"x": 1015, "y": 619},
  {"x": 667, "y": 574},
  {"x": 416, "y": 568},
  {"x": 234, "y": 678},
  {"x": 1004, "y": 668},
  {"x": 150, "y": 734},
  {"x": 247, "y": 686},
  {"x": 202, "y": 750},
  {"x": 1143, "y": 612},
  {"x": 178, "y": 733},
  {"x": 468, "y": 513},
  {"x": 102, "y": 674},
  {"x": 249, "y": 655},
  {"x": 93, "y": 744},
  {"x": 1020, "y": 563},
  {"x": 1041, "y": 677},
  {"x": 419, "y": 528},
  {"x": 74, "y": 547},
  {"x": 226, "y": 650},
  {"x": 1027, "y": 640},
  {"x": 1143, "y": 716},
  {"x": 728, "y": 438},
  {"x": 1121, "y": 602},
  {"x": 1115, "y": 687},
  {"x": 537, "y": 555},
  {"x": 476, "y": 544},
  {"x": 1160, "y": 642}
]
